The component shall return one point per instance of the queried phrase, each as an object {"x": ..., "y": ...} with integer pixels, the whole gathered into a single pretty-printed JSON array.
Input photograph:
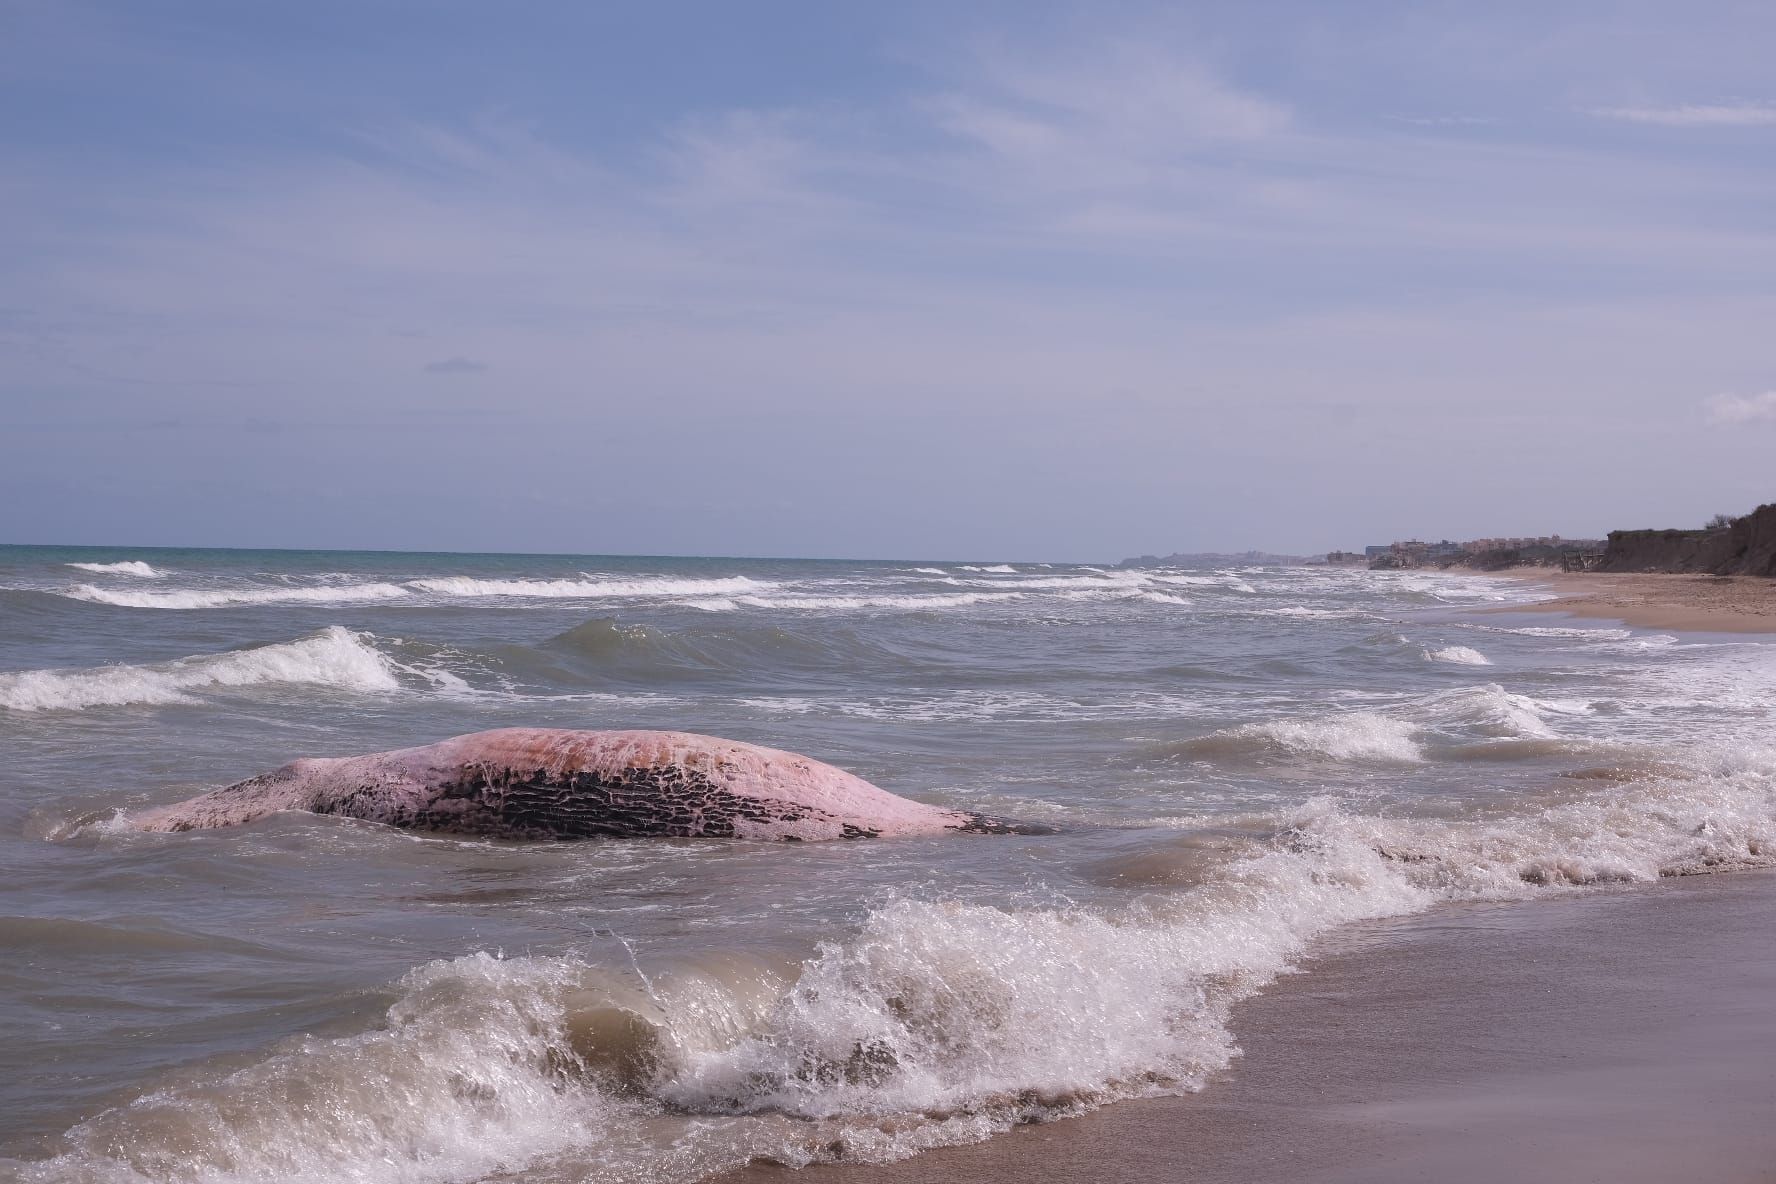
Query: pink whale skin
[{"x": 543, "y": 783}]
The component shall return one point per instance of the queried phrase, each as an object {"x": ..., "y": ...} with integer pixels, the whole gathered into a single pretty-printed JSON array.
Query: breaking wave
[
  {"x": 126, "y": 567},
  {"x": 192, "y": 598},
  {"x": 1449, "y": 723},
  {"x": 933, "y": 1021},
  {"x": 1352, "y": 736},
  {"x": 588, "y": 587},
  {"x": 1107, "y": 582},
  {"x": 1459, "y": 655},
  {"x": 335, "y": 657},
  {"x": 841, "y": 603}
]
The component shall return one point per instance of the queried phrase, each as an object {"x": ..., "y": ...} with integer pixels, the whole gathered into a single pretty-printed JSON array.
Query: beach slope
[{"x": 1696, "y": 603}]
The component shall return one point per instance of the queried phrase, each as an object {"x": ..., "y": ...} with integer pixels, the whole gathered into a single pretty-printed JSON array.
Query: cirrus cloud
[
  {"x": 1695, "y": 115},
  {"x": 1737, "y": 409}
]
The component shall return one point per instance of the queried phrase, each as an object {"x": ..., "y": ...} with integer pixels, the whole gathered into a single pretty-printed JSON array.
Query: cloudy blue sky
[{"x": 1009, "y": 280}]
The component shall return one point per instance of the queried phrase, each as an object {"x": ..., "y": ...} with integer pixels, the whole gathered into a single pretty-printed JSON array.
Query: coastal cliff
[{"x": 1746, "y": 547}]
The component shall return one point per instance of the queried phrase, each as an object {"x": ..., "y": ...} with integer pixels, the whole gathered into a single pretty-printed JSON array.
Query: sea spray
[
  {"x": 936, "y": 1020},
  {"x": 127, "y": 567},
  {"x": 335, "y": 657},
  {"x": 202, "y": 598},
  {"x": 586, "y": 587},
  {"x": 1231, "y": 780},
  {"x": 1458, "y": 655}
]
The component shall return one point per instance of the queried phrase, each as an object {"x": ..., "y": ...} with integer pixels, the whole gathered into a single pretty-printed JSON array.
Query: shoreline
[
  {"x": 1621, "y": 1035},
  {"x": 1686, "y": 603}
]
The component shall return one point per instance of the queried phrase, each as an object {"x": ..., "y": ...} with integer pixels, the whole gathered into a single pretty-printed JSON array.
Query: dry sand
[
  {"x": 1625, "y": 1035},
  {"x": 1704, "y": 604}
]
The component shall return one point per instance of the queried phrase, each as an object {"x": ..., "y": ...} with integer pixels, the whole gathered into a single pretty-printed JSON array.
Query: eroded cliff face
[{"x": 1746, "y": 548}]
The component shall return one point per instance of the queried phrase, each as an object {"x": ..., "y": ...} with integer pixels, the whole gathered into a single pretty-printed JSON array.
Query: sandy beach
[
  {"x": 1703, "y": 604},
  {"x": 1623, "y": 1035}
]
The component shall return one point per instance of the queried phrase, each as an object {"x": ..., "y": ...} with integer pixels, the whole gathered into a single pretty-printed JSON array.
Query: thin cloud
[
  {"x": 1446, "y": 120},
  {"x": 456, "y": 366},
  {"x": 1695, "y": 115},
  {"x": 1741, "y": 409},
  {"x": 1131, "y": 101}
]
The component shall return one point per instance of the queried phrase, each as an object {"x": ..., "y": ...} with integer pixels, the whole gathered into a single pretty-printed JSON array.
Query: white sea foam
[
  {"x": 1233, "y": 583},
  {"x": 940, "y": 600},
  {"x": 1305, "y": 613},
  {"x": 333, "y": 657},
  {"x": 1580, "y": 633},
  {"x": 464, "y": 1082},
  {"x": 931, "y": 571},
  {"x": 1459, "y": 655},
  {"x": 998, "y": 568},
  {"x": 587, "y": 587},
  {"x": 713, "y": 604},
  {"x": 1351, "y": 736},
  {"x": 1449, "y": 587},
  {"x": 933, "y": 1021},
  {"x": 985, "y": 705},
  {"x": 1108, "y": 581},
  {"x": 1400, "y": 734},
  {"x": 126, "y": 567},
  {"x": 1492, "y": 711},
  {"x": 194, "y": 598}
]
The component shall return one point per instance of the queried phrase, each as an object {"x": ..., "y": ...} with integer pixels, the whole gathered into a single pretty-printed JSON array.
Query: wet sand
[
  {"x": 1624, "y": 1035},
  {"x": 1704, "y": 604}
]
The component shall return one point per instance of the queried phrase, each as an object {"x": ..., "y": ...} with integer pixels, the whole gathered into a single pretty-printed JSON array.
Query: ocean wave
[
  {"x": 335, "y": 657},
  {"x": 914, "y": 602},
  {"x": 1106, "y": 582},
  {"x": 983, "y": 705},
  {"x": 1490, "y": 710},
  {"x": 1222, "y": 580},
  {"x": 1440, "y": 724},
  {"x": 125, "y": 567},
  {"x": 588, "y": 587},
  {"x": 195, "y": 598},
  {"x": 1599, "y": 633},
  {"x": 1004, "y": 569},
  {"x": 1459, "y": 655},
  {"x": 933, "y": 1021},
  {"x": 1450, "y": 588},
  {"x": 751, "y": 655},
  {"x": 1351, "y": 736}
]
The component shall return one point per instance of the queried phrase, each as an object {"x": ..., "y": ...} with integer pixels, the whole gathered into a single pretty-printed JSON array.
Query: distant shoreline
[{"x": 1692, "y": 603}]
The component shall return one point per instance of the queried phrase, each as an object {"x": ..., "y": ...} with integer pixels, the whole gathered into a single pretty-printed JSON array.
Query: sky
[{"x": 993, "y": 280}]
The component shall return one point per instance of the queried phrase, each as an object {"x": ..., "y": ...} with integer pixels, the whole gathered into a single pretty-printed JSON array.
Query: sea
[{"x": 1240, "y": 765}]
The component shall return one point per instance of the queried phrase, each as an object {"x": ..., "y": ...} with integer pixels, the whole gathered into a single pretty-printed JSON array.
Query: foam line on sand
[
  {"x": 1687, "y": 603},
  {"x": 1622, "y": 1035}
]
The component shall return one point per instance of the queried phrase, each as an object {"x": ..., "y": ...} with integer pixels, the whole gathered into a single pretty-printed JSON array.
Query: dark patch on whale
[{"x": 533, "y": 783}]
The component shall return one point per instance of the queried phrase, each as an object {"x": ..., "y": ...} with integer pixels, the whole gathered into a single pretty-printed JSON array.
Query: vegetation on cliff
[{"x": 1743, "y": 546}]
